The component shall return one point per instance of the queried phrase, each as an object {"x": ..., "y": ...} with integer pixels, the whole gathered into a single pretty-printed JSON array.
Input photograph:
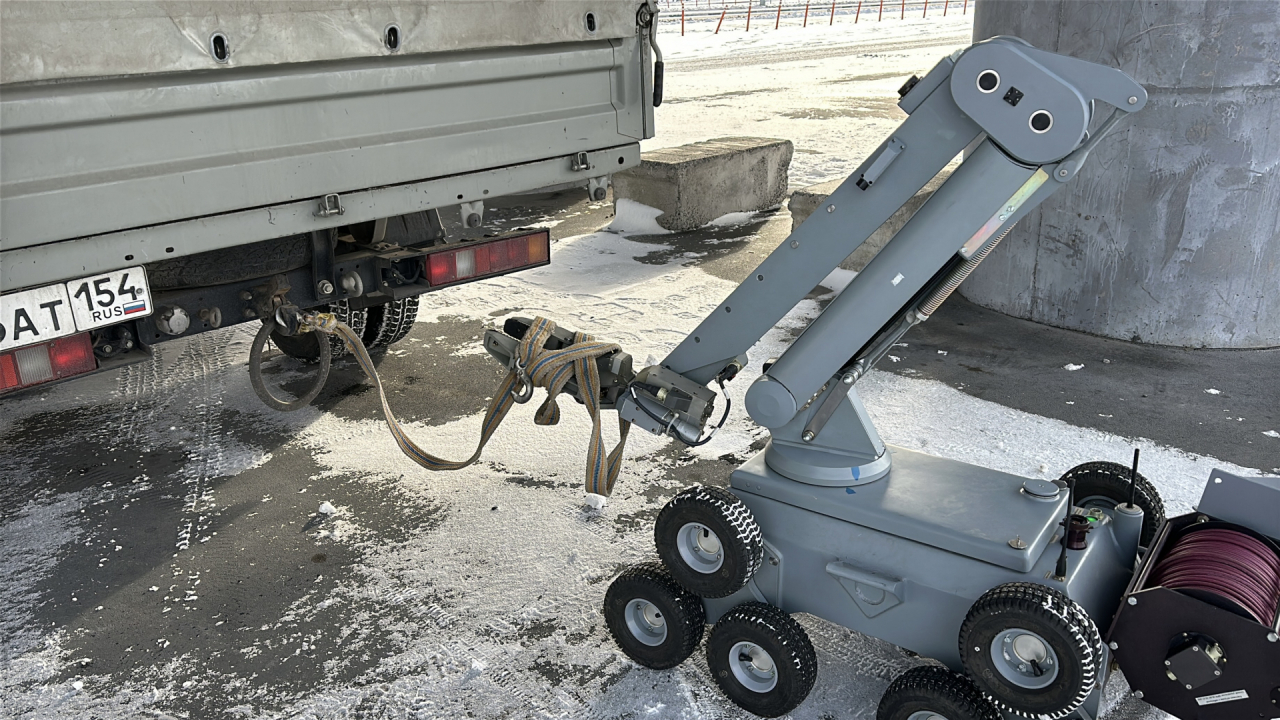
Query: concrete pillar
[{"x": 1171, "y": 232}]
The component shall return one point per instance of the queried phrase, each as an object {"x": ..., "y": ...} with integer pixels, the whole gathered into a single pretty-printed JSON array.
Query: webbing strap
[{"x": 550, "y": 369}]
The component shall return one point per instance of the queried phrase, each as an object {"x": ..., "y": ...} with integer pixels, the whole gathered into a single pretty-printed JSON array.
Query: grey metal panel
[
  {"x": 85, "y": 158},
  {"x": 1251, "y": 502},
  {"x": 628, "y": 82},
  {"x": 44, "y": 40},
  {"x": 1063, "y": 86},
  {"x": 954, "y": 506},
  {"x": 934, "y": 134},
  {"x": 936, "y": 586},
  {"x": 69, "y": 259}
]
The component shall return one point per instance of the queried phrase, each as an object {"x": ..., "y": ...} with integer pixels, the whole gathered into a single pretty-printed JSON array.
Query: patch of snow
[
  {"x": 1072, "y": 367},
  {"x": 1213, "y": 391},
  {"x": 633, "y": 218},
  {"x": 1271, "y": 433},
  {"x": 733, "y": 219},
  {"x": 327, "y": 509}
]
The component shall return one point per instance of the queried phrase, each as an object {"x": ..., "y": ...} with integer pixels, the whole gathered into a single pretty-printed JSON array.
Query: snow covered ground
[
  {"x": 467, "y": 594},
  {"x": 492, "y": 607},
  {"x": 830, "y": 89}
]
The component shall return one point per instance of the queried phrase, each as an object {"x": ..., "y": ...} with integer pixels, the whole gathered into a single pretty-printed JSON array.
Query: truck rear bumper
[{"x": 33, "y": 266}]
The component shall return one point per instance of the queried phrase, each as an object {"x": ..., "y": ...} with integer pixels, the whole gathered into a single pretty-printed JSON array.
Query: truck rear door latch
[
  {"x": 330, "y": 205},
  {"x": 580, "y": 162}
]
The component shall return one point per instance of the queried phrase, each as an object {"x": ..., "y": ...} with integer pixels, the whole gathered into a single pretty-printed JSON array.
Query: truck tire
[
  {"x": 934, "y": 691},
  {"x": 388, "y": 324},
  {"x": 234, "y": 264},
  {"x": 304, "y": 346},
  {"x": 1103, "y": 484},
  {"x": 709, "y": 540}
]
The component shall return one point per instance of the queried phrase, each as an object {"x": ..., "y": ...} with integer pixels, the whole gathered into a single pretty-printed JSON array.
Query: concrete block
[
  {"x": 695, "y": 184},
  {"x": 804, "y": 201}
]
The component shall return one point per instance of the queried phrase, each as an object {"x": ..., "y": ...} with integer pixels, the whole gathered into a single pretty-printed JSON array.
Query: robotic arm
[{"x": 1025, "y": 115}]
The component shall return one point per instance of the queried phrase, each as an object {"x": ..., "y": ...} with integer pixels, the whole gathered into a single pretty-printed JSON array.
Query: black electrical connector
[
  {"x": 1133, "y": 480},
  {"x": 1060, "y": 571}
]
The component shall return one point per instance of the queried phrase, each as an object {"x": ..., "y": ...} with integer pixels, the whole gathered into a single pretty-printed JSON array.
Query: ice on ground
[{"x": 633, "y": 218}]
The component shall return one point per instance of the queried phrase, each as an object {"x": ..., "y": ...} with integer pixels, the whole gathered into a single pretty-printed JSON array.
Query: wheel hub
[
  {"x": 700, "y": 548},
  {"x": 926, "y": 715},
  {"x": 1024, "y": 659},
  {"x": 645, "y": 622},
  {"x": 753, "y": 667}
]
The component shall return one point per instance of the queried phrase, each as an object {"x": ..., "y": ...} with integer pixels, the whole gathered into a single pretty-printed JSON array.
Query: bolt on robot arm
[{"x": 1025, "y": 115}]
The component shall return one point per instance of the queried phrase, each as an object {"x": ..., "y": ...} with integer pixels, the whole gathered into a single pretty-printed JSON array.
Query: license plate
[{"x": 53, "y": 311}]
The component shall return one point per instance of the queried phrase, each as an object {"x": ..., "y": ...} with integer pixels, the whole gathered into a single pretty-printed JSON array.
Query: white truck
[{"x": 168, "y": 168}]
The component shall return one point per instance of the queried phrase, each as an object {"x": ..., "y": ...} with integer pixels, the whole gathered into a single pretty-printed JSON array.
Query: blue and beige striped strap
[{"x": 550, "y": 369}]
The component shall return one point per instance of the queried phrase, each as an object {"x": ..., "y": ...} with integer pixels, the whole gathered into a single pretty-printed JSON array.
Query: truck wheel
[
  {"x": 1031, "y": 650},
  {"x": 656, "y": 622},
  {"x": 390, "y": 323},
  {"x": 709, "y": 540},
  {"x": 305, "y": 346},
  {"x": 1105, "y": 485},
  {"x": 932, "y": 691},
  {"x": 762, "y": 659}
]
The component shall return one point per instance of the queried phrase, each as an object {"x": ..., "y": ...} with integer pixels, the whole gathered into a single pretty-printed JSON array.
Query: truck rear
[{"x": 171, "y": 168}]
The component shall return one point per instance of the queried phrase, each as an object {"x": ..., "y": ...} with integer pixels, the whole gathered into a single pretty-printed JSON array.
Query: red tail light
[
  {"x": 54, "y": 360},
  {"x": 8, "y": 372},
  {"x": 72, "y": 355},
  {"x": 476, "y": 260}
]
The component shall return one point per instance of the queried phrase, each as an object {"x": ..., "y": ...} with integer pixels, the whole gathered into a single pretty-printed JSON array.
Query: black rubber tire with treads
[
  {"x": 1104, "y": 479},
  {"x": 933, "y": 688},
  {"x": 388, "y": 324},
  {"x": 1059, "y": 621},
  {"x": 788, "y": 645},
  {"x": 682, "y": 611},
  {"x": 303, "y": 346},
  {"x": 738, "y": 535}
]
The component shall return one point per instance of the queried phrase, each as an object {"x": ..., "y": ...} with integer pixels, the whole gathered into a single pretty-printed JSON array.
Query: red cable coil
[{"x": 1228, "y": 563}]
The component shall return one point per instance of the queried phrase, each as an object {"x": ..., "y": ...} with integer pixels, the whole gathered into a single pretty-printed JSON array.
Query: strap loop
[{"x": 534, "y": 366}]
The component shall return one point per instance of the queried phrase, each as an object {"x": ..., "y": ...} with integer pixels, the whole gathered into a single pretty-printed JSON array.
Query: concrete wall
[{"x": 1171, "y": 232}]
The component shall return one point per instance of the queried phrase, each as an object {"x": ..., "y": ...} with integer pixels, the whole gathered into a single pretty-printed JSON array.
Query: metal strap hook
[{"x": 525, "y": 392}]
